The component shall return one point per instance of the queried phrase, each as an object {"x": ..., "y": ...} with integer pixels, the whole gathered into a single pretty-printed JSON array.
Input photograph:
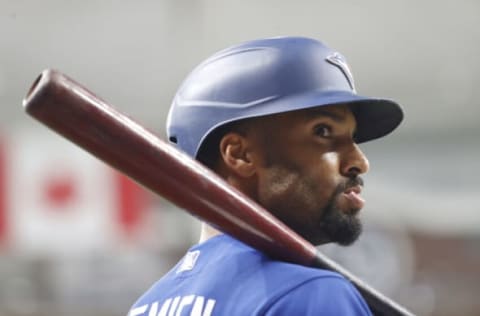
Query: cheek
[
  {"x": 326, "y": 173},
  {"x": 308, "y": 189},
  {"x": 277, "y": 183}
]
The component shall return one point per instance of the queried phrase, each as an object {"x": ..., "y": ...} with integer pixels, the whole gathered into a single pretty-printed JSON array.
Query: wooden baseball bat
[{"x": 80, "y": 116}]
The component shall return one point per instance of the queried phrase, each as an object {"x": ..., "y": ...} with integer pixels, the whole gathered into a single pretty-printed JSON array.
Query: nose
[{"x": 354, "y": 161}]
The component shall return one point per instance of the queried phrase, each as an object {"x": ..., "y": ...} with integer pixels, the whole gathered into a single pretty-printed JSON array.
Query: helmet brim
[{"x": 375, "y": 117}]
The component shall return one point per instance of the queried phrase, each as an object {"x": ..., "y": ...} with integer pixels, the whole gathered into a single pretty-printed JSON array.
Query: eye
[{"x": 323, "y": 130}]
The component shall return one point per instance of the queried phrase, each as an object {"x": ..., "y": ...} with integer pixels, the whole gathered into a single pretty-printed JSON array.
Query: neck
[{"x": 208, "y": 232}]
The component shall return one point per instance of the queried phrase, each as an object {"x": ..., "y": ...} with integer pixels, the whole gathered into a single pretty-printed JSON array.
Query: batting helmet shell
[{"x": 269, "y": 76}]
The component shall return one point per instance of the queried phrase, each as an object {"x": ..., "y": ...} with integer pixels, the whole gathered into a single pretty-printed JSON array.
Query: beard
[
  {"x": 293, "y": 197},
  {"x": 329, "y": 223},
  {"x": 339, "y": 226}
]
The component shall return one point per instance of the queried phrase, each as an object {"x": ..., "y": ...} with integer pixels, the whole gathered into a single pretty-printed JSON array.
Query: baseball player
[{"x": 280, "y": 120}]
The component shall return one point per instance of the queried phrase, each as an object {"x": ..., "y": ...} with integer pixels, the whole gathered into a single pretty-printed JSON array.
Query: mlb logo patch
[{"x": 189, "y": 261}]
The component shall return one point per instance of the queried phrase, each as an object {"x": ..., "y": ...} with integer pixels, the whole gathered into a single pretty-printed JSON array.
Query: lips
[{"x": 352, "y": 195}]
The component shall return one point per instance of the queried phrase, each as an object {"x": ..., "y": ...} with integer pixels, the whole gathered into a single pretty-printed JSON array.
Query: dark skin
[{"x": 302, "y": 166}]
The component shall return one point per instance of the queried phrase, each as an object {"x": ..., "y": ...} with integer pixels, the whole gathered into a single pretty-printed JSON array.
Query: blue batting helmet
[{"x": 269, "y": 76}]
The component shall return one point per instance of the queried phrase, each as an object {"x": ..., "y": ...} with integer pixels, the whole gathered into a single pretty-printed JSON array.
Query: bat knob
[{"x": 40, "y": 82}]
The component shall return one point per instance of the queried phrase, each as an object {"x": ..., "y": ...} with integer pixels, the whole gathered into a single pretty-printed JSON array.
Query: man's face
[{"x": 308, "y": 175}]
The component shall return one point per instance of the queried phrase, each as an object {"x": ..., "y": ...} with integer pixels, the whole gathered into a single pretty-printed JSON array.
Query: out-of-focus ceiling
[{"x": 422, "y": 53}]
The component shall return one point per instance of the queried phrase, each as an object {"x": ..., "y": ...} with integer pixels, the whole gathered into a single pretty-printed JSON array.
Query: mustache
[{"x": 349, "y": 183}]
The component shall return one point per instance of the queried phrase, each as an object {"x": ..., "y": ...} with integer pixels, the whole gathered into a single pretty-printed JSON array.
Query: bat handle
[{"x": 378, "y": 303}]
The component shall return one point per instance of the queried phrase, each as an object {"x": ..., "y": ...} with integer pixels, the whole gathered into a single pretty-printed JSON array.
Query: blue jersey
[{"x": 223, "y": 276}]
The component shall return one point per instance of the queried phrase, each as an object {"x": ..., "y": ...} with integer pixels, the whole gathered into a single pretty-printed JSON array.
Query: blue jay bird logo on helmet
[{"x": 338, "y": 60}]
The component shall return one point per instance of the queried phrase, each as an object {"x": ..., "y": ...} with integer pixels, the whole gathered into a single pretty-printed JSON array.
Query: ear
[{"x": 235, "y": 151}]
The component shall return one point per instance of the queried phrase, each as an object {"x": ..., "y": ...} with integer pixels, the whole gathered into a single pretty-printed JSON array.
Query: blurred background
[{"x": 77, "y": 238}]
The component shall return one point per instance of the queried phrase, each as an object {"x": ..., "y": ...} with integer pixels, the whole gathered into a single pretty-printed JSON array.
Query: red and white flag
[{"x": 56, "y": 198}]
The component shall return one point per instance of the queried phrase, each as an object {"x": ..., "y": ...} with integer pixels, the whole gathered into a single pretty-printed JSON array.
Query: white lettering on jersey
[
  {"x": 174, "y": 306},
  {"x": 138, "y": 310},
  {"x": 177, "y": 306},
  {"x": 153, "y": 309},
  {"x": 186, "y": 300},
  {"x": 198, "y": 307},
  {"x": 165, "y": 307}
]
